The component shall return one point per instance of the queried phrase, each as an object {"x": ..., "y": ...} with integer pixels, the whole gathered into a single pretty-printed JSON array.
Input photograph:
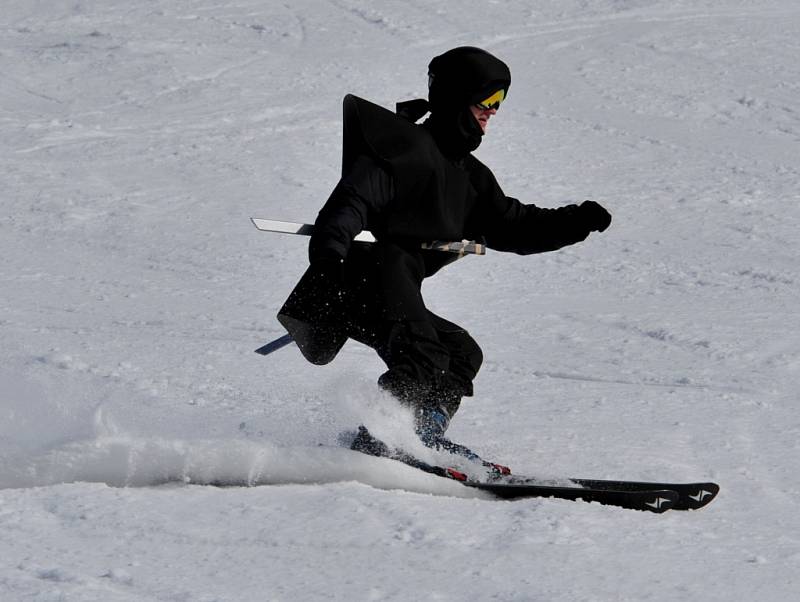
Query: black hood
[
  {"x": 463, "y": 76},
  {"x": 458, "y": 79}
]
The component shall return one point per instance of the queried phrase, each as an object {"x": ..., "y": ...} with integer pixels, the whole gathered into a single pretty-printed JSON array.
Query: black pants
[{"x": 430, "y": 360}]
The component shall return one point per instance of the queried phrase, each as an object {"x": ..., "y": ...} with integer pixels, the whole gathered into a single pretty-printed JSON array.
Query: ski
[
  {"x": 655, "y": 499},
  {"x": 634, "y": 495}
]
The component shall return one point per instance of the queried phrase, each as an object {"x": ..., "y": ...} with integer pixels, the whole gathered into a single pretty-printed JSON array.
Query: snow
[{"x": 136, "y": 139}]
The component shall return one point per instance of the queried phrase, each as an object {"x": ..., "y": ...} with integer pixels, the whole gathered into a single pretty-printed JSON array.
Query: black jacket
[{"x": 397, "y": 183}]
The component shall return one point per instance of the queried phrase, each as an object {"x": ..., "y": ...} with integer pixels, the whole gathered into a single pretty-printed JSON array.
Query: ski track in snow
[{"x": 137, "y": 139}]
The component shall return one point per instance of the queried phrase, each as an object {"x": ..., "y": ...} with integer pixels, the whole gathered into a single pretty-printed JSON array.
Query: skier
[{"x": 411, "y": 183}]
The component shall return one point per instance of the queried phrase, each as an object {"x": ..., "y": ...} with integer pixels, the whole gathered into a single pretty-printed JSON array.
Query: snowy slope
[{"x": 137, "y": 138}]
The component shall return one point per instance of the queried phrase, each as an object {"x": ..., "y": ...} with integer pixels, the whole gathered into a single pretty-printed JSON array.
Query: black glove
[{"x": 594, "y": 216}]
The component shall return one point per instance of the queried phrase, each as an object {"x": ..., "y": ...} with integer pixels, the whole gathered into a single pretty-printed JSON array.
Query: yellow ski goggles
[{"x": 493, "y": 102}]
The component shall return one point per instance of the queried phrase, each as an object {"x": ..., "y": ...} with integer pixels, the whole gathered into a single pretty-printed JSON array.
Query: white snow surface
[{"x": 137, "y": 138}]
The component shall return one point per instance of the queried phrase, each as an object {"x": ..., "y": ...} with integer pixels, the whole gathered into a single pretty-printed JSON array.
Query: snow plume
[
  {"x": 132, "y": 462},
  {"x": 96, "y": 448},
  {"x": 363, "y": 403}
]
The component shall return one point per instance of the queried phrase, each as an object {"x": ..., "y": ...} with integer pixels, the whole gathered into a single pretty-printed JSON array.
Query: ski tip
[{"x": 698, "y": 495}]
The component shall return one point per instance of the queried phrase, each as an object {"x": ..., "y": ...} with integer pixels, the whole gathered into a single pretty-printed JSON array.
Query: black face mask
[{"x": 456, "y": 133}]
